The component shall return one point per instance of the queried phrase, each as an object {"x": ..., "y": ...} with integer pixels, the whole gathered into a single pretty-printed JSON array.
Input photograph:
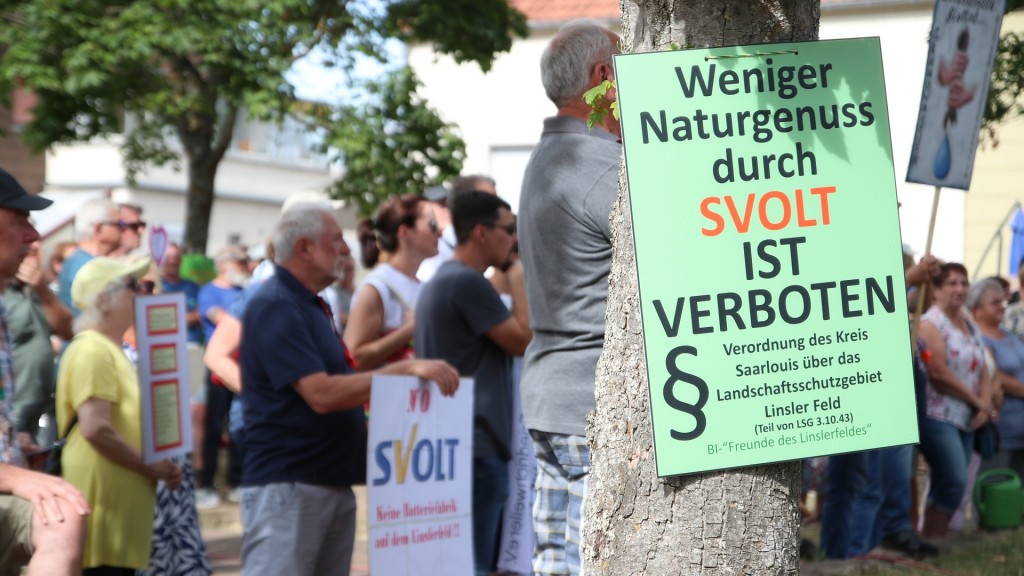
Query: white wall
[
  {"x": 499, "y": 114},
  {"x": 250, "y": 188}
]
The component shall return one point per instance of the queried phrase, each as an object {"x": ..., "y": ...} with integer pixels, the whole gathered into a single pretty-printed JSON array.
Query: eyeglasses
[
  {"x": 510, "y": 228},
  {"x": 433, "y": 226},
  {"x": 122, "y": 225}
]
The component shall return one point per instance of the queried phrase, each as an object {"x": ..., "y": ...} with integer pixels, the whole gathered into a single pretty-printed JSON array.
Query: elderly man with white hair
[
  {"x": 98, "y": 228},
  {"x": 305, "y": 443}
]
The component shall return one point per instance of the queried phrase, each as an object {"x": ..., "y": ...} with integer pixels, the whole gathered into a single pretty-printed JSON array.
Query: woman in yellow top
[{"x": 103, "y": 456}]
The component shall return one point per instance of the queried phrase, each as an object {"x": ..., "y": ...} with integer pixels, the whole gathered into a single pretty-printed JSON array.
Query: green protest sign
[{"x": 768, "y": 252}]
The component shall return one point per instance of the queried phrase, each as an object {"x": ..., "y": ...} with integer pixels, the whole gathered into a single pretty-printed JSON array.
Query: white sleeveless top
[{"x": 397, "y": 291}]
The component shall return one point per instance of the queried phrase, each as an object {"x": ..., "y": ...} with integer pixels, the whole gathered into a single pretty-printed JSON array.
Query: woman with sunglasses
[
  {"x": 98, "y": 410},
  {"x": 380, "y": 325}
]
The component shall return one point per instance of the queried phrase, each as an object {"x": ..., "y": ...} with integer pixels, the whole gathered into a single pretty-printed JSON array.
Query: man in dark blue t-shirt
[
  {"x": 460, "y": 318},
  {"x": 305, "y": 443}
]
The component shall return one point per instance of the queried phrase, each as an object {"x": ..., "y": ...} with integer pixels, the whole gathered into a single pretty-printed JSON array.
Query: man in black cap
[{"x": 42, "y": 517}]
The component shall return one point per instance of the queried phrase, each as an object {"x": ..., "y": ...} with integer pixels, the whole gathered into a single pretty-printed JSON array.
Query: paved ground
[{"x": 222, "y": 532}]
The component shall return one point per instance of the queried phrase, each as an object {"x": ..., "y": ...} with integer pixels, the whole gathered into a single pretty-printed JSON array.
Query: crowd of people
[
  {"x": 457, "y": 285},
  {"x": 968, "y": 368}
]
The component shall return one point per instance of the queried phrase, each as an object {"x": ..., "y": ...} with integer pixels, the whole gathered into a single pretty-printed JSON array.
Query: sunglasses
[
  {"x": 140, "y": 286},
  {"x": 433, "y": 226},
  {"x": 510, "y": 228},
  {"x": 122, "y": 225}
]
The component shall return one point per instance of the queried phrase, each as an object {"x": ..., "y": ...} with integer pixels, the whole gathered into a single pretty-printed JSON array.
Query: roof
[
  {"x": 61, "y": 213},
  {"x": 562, "y": 10},
  {"x": 540, "y": 11}
]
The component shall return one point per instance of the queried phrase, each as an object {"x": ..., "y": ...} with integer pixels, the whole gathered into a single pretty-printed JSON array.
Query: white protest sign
[
  {"x": 164, "y": 376},
  {"x": 420, "y": 478},
  {"x": 517, "y": 538}
]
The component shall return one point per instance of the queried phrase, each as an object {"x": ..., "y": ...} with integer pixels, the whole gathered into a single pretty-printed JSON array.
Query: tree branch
[{"x": 225, "y": 131}]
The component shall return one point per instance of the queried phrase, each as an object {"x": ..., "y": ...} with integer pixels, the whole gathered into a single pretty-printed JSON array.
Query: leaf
[{"x": 597, "y": 99}]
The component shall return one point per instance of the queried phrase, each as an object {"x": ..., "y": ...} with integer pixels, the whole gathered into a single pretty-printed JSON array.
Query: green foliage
[
  {"x": 395, "y": 144},
  {"x": 483, "y": 28},
  {"x": 183, "y": 70},
  {"x": 601, "y": 103},
  {"x": 1005, "y": 101}
]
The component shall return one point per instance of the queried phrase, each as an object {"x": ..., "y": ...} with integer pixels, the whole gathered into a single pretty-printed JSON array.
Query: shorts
[{"x": 15, "y": 533}]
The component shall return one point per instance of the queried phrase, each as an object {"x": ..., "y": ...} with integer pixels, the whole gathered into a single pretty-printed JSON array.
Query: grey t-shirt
[
  {"x": 454, "y": 312},
  {"x": 568, "y": 190}
]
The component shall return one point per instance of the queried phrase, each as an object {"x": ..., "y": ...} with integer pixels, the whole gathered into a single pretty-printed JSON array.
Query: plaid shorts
[{"x": 563, "y": 465}]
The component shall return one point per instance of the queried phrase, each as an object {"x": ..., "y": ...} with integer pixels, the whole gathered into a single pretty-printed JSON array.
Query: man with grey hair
[
  {"x": 305, "y": 437},
  {"x": 570, "y": 184},
  {"x": 98, "y": 227}
]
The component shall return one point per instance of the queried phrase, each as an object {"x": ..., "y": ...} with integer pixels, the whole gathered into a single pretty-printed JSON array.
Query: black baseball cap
[{"x": 13, "y": 195}]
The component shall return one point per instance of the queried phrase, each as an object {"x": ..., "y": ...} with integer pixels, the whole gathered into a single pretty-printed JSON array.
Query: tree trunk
[
  {"x": 743, "y": 521},
  {"x": 201, "y": 175}
]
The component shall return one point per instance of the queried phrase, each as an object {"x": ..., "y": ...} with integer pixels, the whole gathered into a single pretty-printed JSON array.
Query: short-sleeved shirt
[
  {"x": 286, "y": 335},
  {"x": 34, "y": 378},
  {"x": 569, "y": 187},
  {"x": 9, "y": 452},
  {"x": 1009, "y": 355},
  {"x": 211, "y": 295},
  {"x": 120, "y": 529},
  {"x": 69, "y": 269},
  {"x": 455, "y": 311},
  {"x": 191, "y": 291}
]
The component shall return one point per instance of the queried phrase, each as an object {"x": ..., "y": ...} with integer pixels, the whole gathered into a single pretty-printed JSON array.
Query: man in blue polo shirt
[{"x": 305, "y": 442}]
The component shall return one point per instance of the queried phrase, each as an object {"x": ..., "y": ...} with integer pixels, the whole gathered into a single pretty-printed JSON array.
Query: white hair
[
  {"x": 979, "y": 289},
  {"x": 576, "y": 48},
  {"x": 303, "y": 220},
  {"x": 90, "y": 215},
  {"x": 93, "y": 313}
]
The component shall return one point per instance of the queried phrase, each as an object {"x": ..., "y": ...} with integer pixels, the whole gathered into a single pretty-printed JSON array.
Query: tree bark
[
  {"x": 743, "y": 521},
  {"x": 201, "y": 176},
  {"x": 204, "y": 150}
]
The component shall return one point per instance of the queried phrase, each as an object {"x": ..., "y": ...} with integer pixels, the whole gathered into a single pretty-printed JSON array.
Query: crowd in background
[{"x": 969, "y": 382}]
